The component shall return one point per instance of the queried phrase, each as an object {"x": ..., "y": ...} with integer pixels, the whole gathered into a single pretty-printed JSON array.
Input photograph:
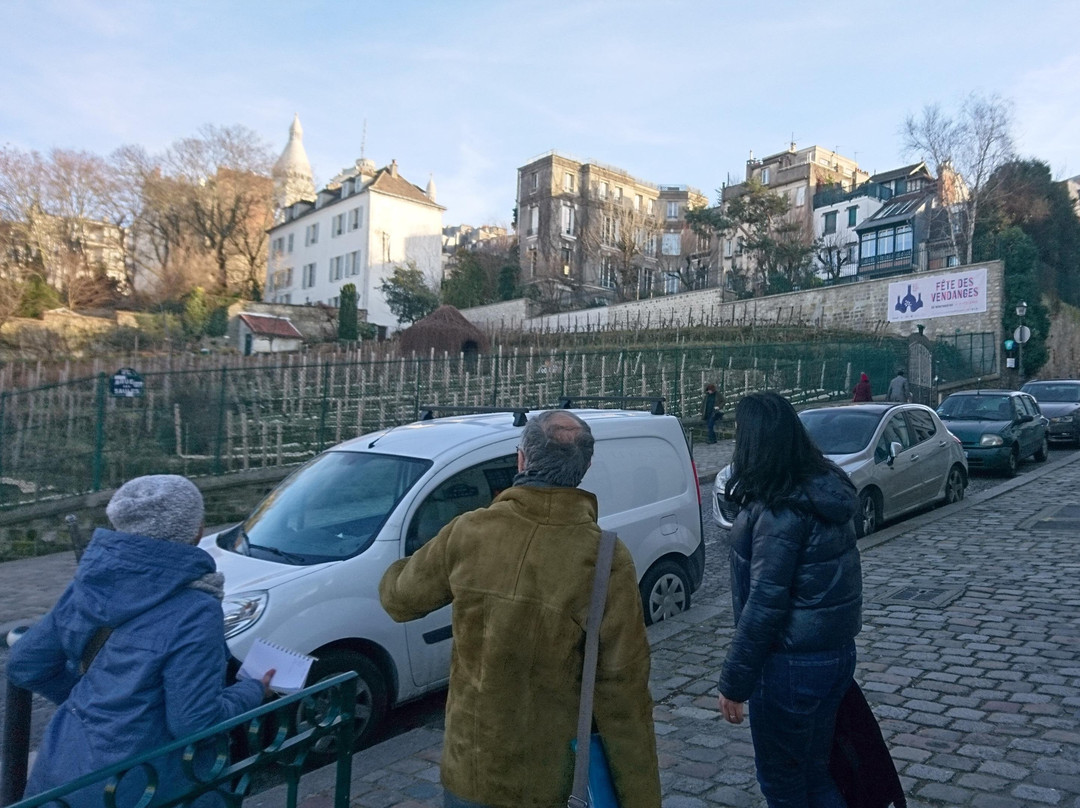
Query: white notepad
[{"x": 290, "y": 667}]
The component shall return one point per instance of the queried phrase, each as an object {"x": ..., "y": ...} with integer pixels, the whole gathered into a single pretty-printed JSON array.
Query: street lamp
[{"x": 1021, "y": 338}]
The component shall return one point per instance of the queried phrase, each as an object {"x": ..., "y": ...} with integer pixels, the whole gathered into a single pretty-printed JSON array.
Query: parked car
[
  {"x": 998, "y": 428},
  {"x": 1059, "y": 401},
  {"x": 303, "y": 570},
  {"x": 899, "y": 456}
]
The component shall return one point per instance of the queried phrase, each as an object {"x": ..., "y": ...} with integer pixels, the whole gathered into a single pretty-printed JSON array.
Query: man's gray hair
[{"x": 558, "y": 447}]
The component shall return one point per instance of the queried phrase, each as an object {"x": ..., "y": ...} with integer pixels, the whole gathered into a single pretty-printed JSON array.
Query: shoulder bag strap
[
  {"x": 93, "y": 645},
  {"x": 579, "y": 796}
]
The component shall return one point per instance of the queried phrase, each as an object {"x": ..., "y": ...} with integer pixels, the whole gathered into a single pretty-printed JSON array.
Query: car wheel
[
  {"x": 371, "y": 698},
  {"x": 1013, "y": 463},
  {"x": 869, "y": 515},
  {"x": 1043, "y": 451},
  {"x": 954, "y": 486},
  {"x": 665, "y": 591}
]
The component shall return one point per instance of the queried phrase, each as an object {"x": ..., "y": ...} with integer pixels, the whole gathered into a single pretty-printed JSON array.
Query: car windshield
[
  {"x": 1069, "y": 393},
  {"x": 332, "y": 508},
  {"x": 840, "y": 431},
  {"x": 977, "y": 408}
]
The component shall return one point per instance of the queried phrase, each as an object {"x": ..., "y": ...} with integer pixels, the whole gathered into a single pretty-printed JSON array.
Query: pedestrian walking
[
  {"x": 134, "y": 651},
  {"x": 862, "y": 390},
  {"x": 796, "y": 587},
  {"x": 712, "y": 411},
  {"x": 520, "y": 574},
  {"x": 898, "y": 388}
]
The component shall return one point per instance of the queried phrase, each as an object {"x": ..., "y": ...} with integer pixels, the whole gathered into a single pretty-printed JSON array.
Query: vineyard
[{"x": 73, "y": 436}]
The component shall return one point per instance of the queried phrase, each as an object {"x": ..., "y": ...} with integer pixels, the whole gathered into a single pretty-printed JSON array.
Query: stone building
[
  {"x": 592, "y": 234},
  {"x": 355, "y": 230}
]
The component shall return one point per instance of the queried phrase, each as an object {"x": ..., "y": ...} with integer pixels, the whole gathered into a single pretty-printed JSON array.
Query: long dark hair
[{"x": 773, "y": 453}]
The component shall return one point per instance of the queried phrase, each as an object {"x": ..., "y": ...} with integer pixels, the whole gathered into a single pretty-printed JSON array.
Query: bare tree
[
  {"x": 833, "y": 255},
  {"x": 964, "y": 150},
  {"x": 619, "y": 241}
]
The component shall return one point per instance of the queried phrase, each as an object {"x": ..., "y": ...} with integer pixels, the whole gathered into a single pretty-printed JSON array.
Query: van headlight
[
  {"x": 991, "y": 440},
  {"x": 243, "y": 610}
]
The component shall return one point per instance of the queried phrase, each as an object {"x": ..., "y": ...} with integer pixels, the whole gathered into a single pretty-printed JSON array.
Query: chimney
[{"x": 393, "y": 168}]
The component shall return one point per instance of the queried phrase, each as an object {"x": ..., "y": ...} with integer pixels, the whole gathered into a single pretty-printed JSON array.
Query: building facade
[
  {"x": 591, "y": 234},
  {"x": 356, "y": 230}
]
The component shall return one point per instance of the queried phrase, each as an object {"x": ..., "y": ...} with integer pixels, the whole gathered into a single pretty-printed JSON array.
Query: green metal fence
[
  {"x": 279, "y": 736},
  {"x": 75, "y": 437}
]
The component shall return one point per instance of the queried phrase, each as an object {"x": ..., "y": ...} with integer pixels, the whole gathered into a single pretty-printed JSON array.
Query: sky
[{"x": 466, "y": 91}]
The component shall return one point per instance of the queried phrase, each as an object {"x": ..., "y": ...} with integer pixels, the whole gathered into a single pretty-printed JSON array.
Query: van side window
[{"x": 473, "y": 488}]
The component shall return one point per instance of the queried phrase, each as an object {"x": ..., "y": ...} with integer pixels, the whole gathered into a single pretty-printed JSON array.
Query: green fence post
[
  {"x": 219, "y": 438},
  {"x": 99, "y": 434}
]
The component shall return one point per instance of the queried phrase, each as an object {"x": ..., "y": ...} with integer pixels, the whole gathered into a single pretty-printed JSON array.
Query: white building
[{"x": 359, "y": 227}]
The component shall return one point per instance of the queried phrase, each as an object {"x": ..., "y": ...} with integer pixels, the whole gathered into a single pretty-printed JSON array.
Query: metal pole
[
  {"x": 1020, "y": 355},
  {"x": 99, "y": 434},
  {"x": 16, "y": 744}
]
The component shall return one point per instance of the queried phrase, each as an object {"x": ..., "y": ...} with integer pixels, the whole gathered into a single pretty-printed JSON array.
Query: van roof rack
[
  {"x": 427, "y": 412},
  {"x": 656, "y": 403}
]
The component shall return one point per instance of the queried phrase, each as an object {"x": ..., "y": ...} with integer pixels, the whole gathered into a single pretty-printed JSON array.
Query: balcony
[
  {"x": 886, "y": 264},
  {"x": 836, "y": 195}
]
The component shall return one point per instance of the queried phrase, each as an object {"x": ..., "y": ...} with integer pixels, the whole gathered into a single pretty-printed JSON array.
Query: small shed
[
  {"x": 265, "y": 333},
  {"x": 445, "y": 330}
]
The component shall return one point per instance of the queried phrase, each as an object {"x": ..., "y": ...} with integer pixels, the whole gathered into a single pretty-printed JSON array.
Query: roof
[
  {"x": 899, "y": 173},
  {"x": 445, "y": 329},
  {"x": 901, "y": 208},
  {"x": 390, "y": 182},
  {"x": 265, "y": 325}
]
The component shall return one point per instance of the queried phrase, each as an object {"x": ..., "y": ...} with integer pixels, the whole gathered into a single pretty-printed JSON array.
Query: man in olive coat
[{"x": 520, "y": 573}]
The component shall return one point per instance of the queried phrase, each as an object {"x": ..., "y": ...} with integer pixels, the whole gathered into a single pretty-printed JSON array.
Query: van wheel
[
  {"x": 371, "y": 699},
  {"x": 665, "y": 591},
  {"x": 869, "y": 515}
]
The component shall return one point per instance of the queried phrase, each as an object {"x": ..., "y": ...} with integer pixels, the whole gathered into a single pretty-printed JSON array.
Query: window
[
  {"x": 852, "y": 216},
  {"x": 278, "y": 246},
  {"x": 671, "y": 283},
  {"x": 336, "y": 264},
  {"x": 568, "y": 181},
  {"x": 728, "y": 248},
  {"x": 567, "y": 220},
  {"x": 869, "y": 245},
  {"x": 465, "y": 491},
  {"x": 534, "y": 220},
  {"x": 652, "y": 207},
  {"x": 952, "y": 261},
  {"x": 534, "y": 180},
  {"x": 608, "y": 275},
  {"x": 282, "y": 279},
  {"x": 337, "y": 225},
  {"x": 353, "y": 263},
  {"x": 903, "y": 237},
  {"x": 565, "y": 253},
  {"x": 602, "y": 190},
  {"x": 532, "y": 261},
  {"x": 645, "y": 281},
  {"x": 885, "y": 241},
  {"x": 853, "y": 253},
  {"x": 637, "y": 201},
  {"x": 290, "y": 242},
  {"x": 896, "y": 431},
  {"x": 650, "y": 244},
  {"x": 673, "y": 210},
  {"x": 764, "y": 176},
  {"x": 356, "y": 218},
  {"x": 830, "y": 222},
  {"x": 308, "y": 276},
  {"x": 800, "y": 196},
  {"x": 618, "y": 194},
  {"x": 922, "y": 424},
  {"x": 311, "y": 235}
]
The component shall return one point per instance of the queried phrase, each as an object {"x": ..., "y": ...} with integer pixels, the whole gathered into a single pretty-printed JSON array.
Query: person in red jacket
[{"x": 862, "y": 389}]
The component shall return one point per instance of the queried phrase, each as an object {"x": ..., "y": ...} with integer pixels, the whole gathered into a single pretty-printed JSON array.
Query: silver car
[{"x": 899, "y": 456}]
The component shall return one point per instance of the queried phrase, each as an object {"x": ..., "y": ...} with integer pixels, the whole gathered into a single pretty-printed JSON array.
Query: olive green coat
[{"x": 520, "y": 575}]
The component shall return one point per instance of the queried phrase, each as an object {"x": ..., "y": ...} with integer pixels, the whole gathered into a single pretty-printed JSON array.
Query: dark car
[
  {"x": 998, "y": 428},
  {"x": 1059, "y": 400}
]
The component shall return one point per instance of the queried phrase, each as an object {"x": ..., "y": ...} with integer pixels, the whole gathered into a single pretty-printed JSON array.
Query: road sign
[
  {"x": 1022, "y": 334},
  {"x": 126, "y": 383}
]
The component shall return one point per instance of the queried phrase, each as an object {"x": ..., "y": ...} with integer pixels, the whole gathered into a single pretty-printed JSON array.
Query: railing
[
  {"x": 902, "y": 259},
  {"x": 279, "y": 736},
  {"x": 833, "y": 196}
]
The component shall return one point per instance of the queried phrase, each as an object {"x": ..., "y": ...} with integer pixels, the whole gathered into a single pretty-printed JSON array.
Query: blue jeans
[
  {"x": 710, "y": 424},
  {"x": 792, "y": 716}
]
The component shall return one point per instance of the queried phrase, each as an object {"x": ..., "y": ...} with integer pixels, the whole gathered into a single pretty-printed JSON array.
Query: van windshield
[{"x": 330, "y": 509}]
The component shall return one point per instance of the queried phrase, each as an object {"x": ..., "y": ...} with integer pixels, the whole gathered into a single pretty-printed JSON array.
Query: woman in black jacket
[{"x": 796, "y": 586}]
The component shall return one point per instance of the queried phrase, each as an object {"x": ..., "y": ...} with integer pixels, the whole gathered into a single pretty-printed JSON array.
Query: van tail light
[{"x": 697, "y": 483}]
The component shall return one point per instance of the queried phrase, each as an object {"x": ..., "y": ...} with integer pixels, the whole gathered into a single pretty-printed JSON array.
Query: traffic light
[{"x": 1010, "y": 353}]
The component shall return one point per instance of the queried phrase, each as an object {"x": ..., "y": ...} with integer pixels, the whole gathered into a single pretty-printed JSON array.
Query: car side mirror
[
  {"x": 895, "y": 448},
  {"x": 1025, "y": 418}
]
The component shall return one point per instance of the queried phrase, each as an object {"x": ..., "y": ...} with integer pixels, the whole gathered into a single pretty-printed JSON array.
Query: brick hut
[{"x": 444, "y": 330}]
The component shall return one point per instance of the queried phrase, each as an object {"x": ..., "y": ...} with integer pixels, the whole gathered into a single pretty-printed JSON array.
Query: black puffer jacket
[{"x": 796, "y": 581}]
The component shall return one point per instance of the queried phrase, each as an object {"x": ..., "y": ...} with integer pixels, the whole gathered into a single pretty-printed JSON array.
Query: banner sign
[{"x": 920, "y": 297}]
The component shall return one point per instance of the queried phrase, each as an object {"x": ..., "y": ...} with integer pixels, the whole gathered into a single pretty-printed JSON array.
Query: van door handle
[{"x": 914, "y": 457}]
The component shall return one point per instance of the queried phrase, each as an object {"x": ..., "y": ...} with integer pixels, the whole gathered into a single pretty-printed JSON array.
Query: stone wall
[
  {"x": 862, "y": 306},
  {"x": 40, "y": 528},
  {"x": 505, "y": 314},
  {"x": 1063, "y": 344},
  {"x": 316, "y": 323}
]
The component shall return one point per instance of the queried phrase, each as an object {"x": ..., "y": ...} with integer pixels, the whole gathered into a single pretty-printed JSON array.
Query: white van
[{"x": 303, "y": 570}]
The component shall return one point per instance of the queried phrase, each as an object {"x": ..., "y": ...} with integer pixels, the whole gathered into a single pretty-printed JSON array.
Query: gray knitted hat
[{"x": 160, "y": 506}]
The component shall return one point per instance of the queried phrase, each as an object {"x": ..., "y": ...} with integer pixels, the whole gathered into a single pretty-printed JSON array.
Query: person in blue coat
[
  {"x": 796, "y": 589},
  {"x": 149, "y": 600}
]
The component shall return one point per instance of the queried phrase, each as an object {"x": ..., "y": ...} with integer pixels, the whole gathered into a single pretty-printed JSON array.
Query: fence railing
[
  {"x": 74, "y": 437},
  {"x": 278, "y": 738}
]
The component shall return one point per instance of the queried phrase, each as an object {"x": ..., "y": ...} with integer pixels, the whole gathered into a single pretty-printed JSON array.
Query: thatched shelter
[{"x": 445, "y": 329}]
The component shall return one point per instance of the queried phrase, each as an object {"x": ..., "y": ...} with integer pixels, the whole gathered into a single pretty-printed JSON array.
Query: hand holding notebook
[{"x": 291, "y": 667}]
